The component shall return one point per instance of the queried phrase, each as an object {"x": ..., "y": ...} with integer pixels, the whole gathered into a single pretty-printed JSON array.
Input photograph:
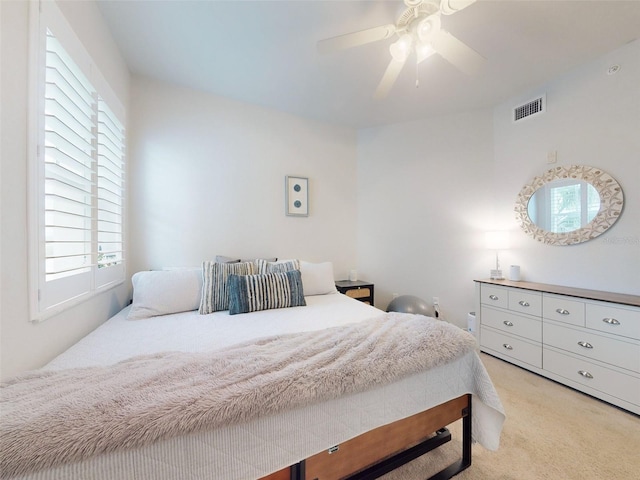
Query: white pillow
[
  {"x": 317, "y": 278},
  {"x": 161, "y": 292}
]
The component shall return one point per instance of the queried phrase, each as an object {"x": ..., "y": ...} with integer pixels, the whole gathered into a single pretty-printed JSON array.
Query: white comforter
[{"x": 119, "y": 338}]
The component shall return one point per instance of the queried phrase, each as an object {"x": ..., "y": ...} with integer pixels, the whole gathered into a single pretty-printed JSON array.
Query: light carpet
[{"x": 551, "y": 432}]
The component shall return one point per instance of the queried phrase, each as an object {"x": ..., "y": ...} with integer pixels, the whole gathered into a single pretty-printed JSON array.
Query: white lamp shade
[
  {"x": 423, "y": 51},
  {"x": 401, "y": 49},
  {"x": 497, "y": 240},
  {"x": 428, "y": 28}
]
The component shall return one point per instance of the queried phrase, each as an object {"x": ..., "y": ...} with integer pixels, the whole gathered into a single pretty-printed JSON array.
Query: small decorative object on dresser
[
  {"x": 359, "y": 289},
  {"x": 514, "y": 273},
  {"x": 586, "y": 339}
]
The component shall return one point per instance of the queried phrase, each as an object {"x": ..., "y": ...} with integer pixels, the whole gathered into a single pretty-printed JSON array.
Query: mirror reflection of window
[
  {"x": 569, "y": 205},
  {"x": 564, "y": 206}
]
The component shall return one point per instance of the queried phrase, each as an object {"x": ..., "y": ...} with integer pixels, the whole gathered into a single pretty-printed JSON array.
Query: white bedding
[
  {"x": 267, "y": 444},
  {"x": 119, "y": 338}
]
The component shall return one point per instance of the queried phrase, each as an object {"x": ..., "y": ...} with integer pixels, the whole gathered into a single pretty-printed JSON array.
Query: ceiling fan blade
[
  {"x": 356, "y": 39},
  {"x": 457, "y": 53},
  {"x": 449, "y": 7},
  {"x": 389, "y": 78}
]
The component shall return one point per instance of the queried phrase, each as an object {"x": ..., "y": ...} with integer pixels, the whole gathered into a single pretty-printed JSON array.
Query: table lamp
[{"x": 497, "y": 240}]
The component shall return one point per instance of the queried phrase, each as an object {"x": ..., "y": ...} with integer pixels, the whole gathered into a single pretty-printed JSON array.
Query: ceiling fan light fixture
[
  {"x": 419, "y": 30},
  {"x": 401, "y": 49},
  {"x": 428, "y": 28},
  {"x": 424, "y": 50}
]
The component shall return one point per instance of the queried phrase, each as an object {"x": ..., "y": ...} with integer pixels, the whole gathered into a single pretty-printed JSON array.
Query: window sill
[{"x": 38, "y": 317}]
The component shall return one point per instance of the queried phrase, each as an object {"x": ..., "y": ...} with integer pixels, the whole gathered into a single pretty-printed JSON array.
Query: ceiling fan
[{"x": 419, "y": 31}]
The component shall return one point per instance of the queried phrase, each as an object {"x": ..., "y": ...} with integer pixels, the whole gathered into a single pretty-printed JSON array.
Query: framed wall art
[{"x": 297, "y": 196}]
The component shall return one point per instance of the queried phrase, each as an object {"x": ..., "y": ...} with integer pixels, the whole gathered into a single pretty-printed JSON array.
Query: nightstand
[{"x": 359, "y": 290}]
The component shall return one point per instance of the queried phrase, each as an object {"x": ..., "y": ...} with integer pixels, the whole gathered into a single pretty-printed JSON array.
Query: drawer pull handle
[
  {"x": 507, "y": 346},
  {"x": 585, "y": 374},
  {"x": 522, "y": 303},
  {"x": 493, "y": 297},
  {"x": 562, "y": 311},
  {"x": 508, "y": 323},
  {"x": 585, "y": 344},
  {"x": 611, "y": 321}
]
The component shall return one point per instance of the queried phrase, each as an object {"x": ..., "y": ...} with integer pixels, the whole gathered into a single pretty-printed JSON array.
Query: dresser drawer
[
  {"x": 512, "y": 324},
  {"x": 513, "y": 347},
  {"x": 494, "y": 296},
  {"x": 594, "y": 376},
  {"x": 593, "y": 346},
  {"x": 616, "y": 320},
  {"x": 525, "y": 302},
  {"x": 563, "y": 309}
]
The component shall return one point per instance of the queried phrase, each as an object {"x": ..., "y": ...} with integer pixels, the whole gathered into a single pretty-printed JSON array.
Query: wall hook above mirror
[{"x": 569, "y": 205}]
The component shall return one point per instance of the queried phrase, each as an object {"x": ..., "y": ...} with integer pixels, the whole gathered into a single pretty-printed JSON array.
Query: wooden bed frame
[{"x": 385, "y": 448}]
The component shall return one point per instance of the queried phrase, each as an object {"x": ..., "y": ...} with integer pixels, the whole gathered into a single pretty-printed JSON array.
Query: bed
[{"x": 279, "y": 440}]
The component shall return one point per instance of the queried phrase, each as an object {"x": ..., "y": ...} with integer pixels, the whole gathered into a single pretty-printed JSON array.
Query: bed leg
[
  {"x": 297, "y": 471},
  {"x": 465, "y": 460}
]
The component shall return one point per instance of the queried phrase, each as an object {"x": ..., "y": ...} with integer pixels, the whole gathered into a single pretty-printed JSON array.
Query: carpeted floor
[{"x": 551, "y": 432}]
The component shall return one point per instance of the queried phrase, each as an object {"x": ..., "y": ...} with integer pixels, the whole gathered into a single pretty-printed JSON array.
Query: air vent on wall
[{"x": 533, "y": 107}]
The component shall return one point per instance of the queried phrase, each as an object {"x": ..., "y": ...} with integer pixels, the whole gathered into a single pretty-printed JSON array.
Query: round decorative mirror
[{"x": 569, "y": 205}]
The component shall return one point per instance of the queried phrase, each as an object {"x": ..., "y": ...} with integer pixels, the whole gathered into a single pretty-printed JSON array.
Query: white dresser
[{"x": 586, "y": 339}]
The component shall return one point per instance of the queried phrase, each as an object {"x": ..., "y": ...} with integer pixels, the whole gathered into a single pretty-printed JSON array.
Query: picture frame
[{"x": 296, "y": 196}]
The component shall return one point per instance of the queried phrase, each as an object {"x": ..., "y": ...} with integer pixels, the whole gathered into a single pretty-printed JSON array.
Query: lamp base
[{"x": 497, "y": 275}]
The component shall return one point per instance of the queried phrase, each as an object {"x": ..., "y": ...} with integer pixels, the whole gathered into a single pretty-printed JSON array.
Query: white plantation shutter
[
  {"x": 110, "y": 187},
  {"x": 77, "y": 174},
  {"x": 69, "y": 145}
]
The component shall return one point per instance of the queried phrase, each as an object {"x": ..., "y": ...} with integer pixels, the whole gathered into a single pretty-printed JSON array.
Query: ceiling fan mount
[
  {"x": 417, "y": 9},
  {"x": 419, "y": 32}
]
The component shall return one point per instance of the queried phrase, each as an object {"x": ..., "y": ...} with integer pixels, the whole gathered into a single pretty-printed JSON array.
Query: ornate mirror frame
[{"x": 611, "y": 203}]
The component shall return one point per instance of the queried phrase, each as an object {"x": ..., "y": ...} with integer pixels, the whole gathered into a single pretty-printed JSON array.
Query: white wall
[
  {"x": 427, "y": 190},
  {"x": 424, "y": 196},
  {"x": 25, "y": 345},
  {"x": 207, "y": 178},
  {"x": 592, "y": 119}
]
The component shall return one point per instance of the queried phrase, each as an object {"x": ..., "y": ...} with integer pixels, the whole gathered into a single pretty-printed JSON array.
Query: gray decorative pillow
[
  {"x": 215, "y": 295},
  {"x": 251, "y": 293},
  {"x": 264, "y": 266},
  {"x": 225, "y": 259}
]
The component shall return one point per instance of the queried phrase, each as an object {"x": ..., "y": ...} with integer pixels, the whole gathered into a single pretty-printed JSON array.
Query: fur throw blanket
[{"x": 53, "y": 417}]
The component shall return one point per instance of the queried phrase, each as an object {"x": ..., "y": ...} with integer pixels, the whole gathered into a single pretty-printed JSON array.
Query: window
[{"x": 77, "y": 174}]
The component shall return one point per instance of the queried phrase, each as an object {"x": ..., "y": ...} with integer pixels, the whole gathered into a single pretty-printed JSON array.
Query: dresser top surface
[{"x": 621, "y": 298}]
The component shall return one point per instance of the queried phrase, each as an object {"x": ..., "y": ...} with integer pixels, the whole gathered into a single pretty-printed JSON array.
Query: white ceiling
[{"x": 264, "y": 52}]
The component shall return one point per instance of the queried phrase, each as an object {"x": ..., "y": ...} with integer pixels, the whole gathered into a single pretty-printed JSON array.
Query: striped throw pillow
[
  {"x": 215, "y": 296},
  {"x": 265, "y": 266},
  {"x": 251, "y": 293}
]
